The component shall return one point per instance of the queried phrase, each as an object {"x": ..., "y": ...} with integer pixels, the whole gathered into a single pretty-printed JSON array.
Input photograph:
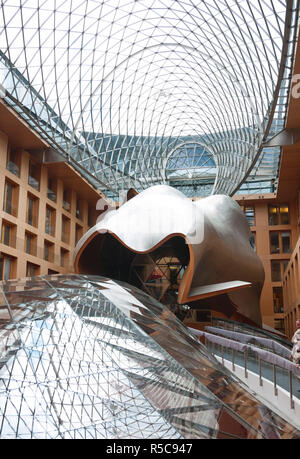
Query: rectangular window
[
  {"x": 284, "y": 214},
  {"x": 50, "y": 221},
  {"x": 64, "y": 258},
  {"x": 30, "y": 243},
  {"x": 286, "y": 241},
  {"x": 91, "y": 217},
  {"x": 273, "y": 215},
  {"x": 284, "y": 263},
  {"x": 7, "y": 266},
  {"x": 250, "y": 215},
  {"x": 32, "y": 270},
  {"x": 274, "y": 242},
  {"x": 79, "y": 209},
  {"x": 32, "y": 210},
  {"x": 279, "y": 215},
  {"x": 278, "y": 300},
  {"x": 8, "y": 197},
  {"x": 249, "y": 212},
  {"x": 8, "y": 234},
  {"x": 13, "y": 162},
  {"x": 49, "y": 251},
  {"x": 280, "y": 241},
  {"x": 65, "y": 230},
  {"x": 10, "y": 202},
  {"x": 276, "y": 270},
  {"x": 66, "y": 200},
  {"x": 253, "y": 240},
  {"x": 34, "y": 175},
  {"x": 78, "y": 233},
  {"x": 51, "y": 192}
]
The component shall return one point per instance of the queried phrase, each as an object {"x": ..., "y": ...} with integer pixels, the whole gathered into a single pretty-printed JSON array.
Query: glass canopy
[
  {"x": 88, "y": 357},
  {"x": 130, "y": 91}
]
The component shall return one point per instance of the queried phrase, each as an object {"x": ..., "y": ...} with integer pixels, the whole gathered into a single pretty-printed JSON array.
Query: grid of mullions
[
  {"x": 99, "y": 79},
  {"x": 87, "y": 357}
]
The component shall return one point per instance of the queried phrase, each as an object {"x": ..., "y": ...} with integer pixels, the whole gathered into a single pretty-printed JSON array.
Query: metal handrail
[
  {"x": 227, "y": 324},
  {"x": 246, "y": 338},
  {"x": 266, "y": 356}
]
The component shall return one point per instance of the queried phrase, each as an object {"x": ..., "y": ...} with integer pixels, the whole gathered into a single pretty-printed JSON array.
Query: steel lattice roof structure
[{"x": 138, "y": 93}]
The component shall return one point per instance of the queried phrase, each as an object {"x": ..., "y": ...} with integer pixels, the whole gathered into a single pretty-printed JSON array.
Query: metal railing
[
  {"x": 263, "y": 342},
  {"x": 228, "y": 324},
  {"x": 266, "y": 364},
  {"x": 263, "y": 369}
]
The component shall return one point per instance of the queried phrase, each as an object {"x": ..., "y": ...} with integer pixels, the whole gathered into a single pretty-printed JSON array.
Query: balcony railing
[{"x": 273, "y": 364}]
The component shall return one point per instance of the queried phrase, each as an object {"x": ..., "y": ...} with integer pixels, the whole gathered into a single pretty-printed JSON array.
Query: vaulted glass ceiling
[{"x": 138, "y": 93}]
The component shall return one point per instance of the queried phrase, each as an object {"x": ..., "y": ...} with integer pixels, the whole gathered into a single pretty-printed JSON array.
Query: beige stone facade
[
  {"x": 44, "y": 208},
  {"x": 274, "y": 224}
]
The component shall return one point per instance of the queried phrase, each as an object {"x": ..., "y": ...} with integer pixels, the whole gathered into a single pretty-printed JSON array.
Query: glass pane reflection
[{"x": 88, "y": 357}]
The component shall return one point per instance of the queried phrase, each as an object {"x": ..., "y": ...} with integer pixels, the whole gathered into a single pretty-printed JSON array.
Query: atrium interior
[{"x": 149, "y": 219}]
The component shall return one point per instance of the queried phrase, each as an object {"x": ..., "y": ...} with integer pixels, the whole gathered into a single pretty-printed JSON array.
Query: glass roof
[
  {"x": 125, "y": 88},
  {"x": 88, "y": 357}
]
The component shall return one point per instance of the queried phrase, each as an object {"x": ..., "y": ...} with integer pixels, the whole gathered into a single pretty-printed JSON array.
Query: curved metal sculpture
[{"x": 216, "y": 233}]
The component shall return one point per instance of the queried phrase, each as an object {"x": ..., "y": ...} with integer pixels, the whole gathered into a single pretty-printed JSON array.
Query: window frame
[
  {"x": 278, "y": 214},
  {"x": 280, "y": 243},
  {"x": 11, "y": 236},
  {"x": 13, "y": 199}
]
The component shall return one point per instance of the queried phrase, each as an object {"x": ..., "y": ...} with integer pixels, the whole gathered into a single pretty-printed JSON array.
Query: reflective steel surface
[
  {"x": 214, "y": 229},
  {"x": 88, "y": 357}
]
